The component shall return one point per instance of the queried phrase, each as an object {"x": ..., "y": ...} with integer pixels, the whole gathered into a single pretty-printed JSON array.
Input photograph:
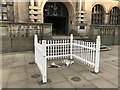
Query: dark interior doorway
[
  {"x": 56, "y": 13},
  {"x": 59, "y": 23}
]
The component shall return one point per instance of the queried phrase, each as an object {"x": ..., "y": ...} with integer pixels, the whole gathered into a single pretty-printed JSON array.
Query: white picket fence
[
  {"x": 86, "y": 52},
  {"x": 57, "y": 49},
  {"x": 40, "y": 57}
]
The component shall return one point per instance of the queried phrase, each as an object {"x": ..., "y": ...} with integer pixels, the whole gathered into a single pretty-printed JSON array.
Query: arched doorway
[{"x": 56, "y": 13}]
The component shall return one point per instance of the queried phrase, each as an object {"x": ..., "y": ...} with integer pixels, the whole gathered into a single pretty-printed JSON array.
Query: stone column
[
  {"x": 32, "y": 15},
  {"x": 31, "y": 2},
  {"x": 106, "y": 18},
  {"x": 39, "y": 11},
  {"x": 78, "y": 15},
  {"x": 80, "y": 2},
  {"x": 16, "y": 18}
]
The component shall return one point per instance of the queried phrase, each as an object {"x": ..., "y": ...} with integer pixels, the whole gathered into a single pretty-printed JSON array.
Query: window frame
[
  {"x": 98, "y": 14},
  {"x": 8, "y": 11},
  {"x": 114, "y": 16}
]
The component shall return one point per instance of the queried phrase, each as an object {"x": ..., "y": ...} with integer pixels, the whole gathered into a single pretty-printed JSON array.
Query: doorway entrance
[{"x": 57, "y": 14}]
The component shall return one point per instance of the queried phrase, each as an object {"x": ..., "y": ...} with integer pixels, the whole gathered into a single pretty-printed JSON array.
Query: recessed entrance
[{"x": 56, "y": 13}]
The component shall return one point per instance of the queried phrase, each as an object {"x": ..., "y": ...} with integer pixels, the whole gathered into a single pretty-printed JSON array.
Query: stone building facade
[
  {"x": 80, "y": 15},
  {"x": 21, "y": 20}
]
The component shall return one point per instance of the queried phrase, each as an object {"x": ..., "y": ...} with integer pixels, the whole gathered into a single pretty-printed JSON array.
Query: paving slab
[
  {"x": 89, "y": 86},
  {"x": 112, "y": 69},
  {"x": 56, "y": 77},
  {"x": 67, "y": 72},
  {"x": 29, "y": 57},
  {"x": 17, "y": 77},
  {"x": 8, "y": 57},
  {"x": 107, "y": 75},
  {"x": 88, "y": 75},
  {"x": 5, "y": 74},
  {"x": 77, "y": 67},
  {"x": 78, "y": 84},
  {"x": 64, "y": 88},
  {"x": 18, "y": 84},
  {"x": 36, "y": 83},
  {"x": 19, "y": 69},
  {"x": 52, "y": 70},
  {"x": 18, "y": 63},
  {"x": 32, "y": 69},
  {"x": 102, "y": 83},
  {"x": 62, "y": 85},
  {"x": 4, "y": 84},
  {"x": 114, "y": 81},
  {"x": 7, "y": 64}
]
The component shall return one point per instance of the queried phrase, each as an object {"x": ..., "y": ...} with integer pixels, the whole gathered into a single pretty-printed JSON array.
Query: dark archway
[{"x": 56, "y": 13}]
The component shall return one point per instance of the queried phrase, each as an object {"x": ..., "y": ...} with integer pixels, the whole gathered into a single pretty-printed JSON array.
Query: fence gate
[{"x": 86, "y": 52}]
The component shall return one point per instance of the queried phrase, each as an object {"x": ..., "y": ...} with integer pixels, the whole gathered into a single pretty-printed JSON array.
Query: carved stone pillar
[
  {"x": 106, "y": 18},
  {"x": 39, "y": 12},
  {"x": 32, "y": 10},
  {"x": 31, "y": 2}
]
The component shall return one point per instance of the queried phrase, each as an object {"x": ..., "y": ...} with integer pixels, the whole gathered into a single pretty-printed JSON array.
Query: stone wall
[
  {"x": 16, "y": 38},
  {"x": 17, "y": 44}
]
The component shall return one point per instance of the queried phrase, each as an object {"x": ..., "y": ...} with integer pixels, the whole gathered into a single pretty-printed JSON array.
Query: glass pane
[
  {"x": 11, "y": 1},
  {"x": 10, "y": 9},
  {"x": 3, "y": 1},
  {"x": 4, "y": 9},
  {"x": 0, "y": 9},
  {"x": 4, "y": 16},
  {"x": 0, "y": 16}
]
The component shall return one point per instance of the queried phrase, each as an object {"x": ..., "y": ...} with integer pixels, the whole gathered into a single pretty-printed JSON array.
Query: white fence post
[
  {"x": 71, "y": 41},
  {"x": 97, "y": 59},
  {"x": 35, "y": 42},
  {"x": 44, "y": 77}
]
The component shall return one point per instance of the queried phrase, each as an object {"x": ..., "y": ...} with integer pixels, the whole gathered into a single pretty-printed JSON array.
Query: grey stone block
[
  {"x": 22, "y": 44},
  {"x": 6, "y": 44}
]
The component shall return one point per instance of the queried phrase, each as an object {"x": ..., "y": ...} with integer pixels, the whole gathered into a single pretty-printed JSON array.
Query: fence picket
[
  {"x": 93, "y": 54},
  {"x": 48, "y": 49},
  {"x": 53, "y": 48}
]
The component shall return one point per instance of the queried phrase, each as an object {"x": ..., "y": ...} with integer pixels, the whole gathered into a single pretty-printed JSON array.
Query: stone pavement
[{"x": 18, "y": 73}]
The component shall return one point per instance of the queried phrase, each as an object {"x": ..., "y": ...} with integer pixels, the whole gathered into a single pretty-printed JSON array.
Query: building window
[
  {"x": 82, "y": 27},
  {"x": 82, "y": 22},
  {"x": 97, "y": 15},
  {"x": 6, "y": 11},
  {"x": 114, "y": 16},
  {"x": 82, "y": 17},
  {"x": 82, "y": 13}
]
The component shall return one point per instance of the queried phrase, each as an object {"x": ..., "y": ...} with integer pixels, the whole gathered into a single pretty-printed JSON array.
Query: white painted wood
[
  {"x": 97, "y": 59},
  {"x": 40, "y": 57},
  {"x": 86, "y": 52},
  {"x": 71, "y": 41}
]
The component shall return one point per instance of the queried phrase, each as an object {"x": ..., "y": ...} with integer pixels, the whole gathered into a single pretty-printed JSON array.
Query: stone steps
[
  {"x": 104, "y": 48},
  {"x": 68, "y": 37}
]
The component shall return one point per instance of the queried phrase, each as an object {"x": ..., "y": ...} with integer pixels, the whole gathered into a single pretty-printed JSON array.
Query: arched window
[
  {"x": 114, "y": 16},
  {"x": 97, "y": 14}
]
